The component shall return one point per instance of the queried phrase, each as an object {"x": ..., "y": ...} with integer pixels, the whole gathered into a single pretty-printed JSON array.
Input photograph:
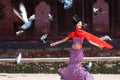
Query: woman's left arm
[{"x": 95, "y": 44}]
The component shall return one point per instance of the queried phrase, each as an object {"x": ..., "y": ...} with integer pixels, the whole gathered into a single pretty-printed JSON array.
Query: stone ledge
[{"x": 66, "y": 59}]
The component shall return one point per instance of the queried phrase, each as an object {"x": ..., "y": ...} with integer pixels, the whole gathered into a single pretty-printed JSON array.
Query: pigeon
[
  {"x": 106, "y": 38},
  {"x": 43, "y": 37},
  {"x": 18, "y": 59},
  {"x": 23, "y": 16},
  {"x": 84, "y": 26},
  {"x": 67, "y": 3},
  {"x": 95, "y": 10},
  {"x": 50, "y": 17},
  {"x": 89, "y": 66}
]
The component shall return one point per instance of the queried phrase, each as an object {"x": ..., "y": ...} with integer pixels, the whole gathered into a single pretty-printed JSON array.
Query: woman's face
[{"x": 79, "y": 25}]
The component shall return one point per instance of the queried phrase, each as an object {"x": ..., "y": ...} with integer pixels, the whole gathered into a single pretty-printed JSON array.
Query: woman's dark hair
[{"x": 76, "y": 19}]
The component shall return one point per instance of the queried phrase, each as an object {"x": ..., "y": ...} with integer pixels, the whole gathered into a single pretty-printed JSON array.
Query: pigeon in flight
[
  {"x": 50, "y": 17},
  {"x": 67, "y": 3},
  {"x": 23, "y": 16},
  {"x": 89, "y": 66},
  {"x": 95, "y": 10},
  {"x": 18, "y": 59},
  {"x": 43, "y": 37},
  {"x": 106, "y": 38}
]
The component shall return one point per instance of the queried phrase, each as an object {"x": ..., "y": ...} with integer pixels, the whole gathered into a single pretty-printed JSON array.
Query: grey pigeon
[
  {"x": 106, "y": 38},
  {"x": 23, "y": 16},
  {"x": 43, "y": 37},
  {"x": 50, "y": 17},
  {"x": 67, "y": 3},
  {"x": 18, "y": 59},
  {"x": 89, "y": 66},
  {"x": 95, "y": 11}
]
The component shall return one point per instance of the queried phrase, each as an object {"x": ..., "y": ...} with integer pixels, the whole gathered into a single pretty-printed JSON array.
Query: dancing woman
[{"x": 74, "y": 69}]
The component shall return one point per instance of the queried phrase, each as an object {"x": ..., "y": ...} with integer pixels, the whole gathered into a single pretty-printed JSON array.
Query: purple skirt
[{"x": 74, "y": 70}]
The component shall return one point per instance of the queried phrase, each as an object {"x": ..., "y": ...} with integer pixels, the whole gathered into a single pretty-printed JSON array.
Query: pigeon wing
[
  {"x": 19, "y": 58},
  {"x": 17, "y": 14},
  {"x": 32, "y": 17},
  {"x": 23, "y": 12}
]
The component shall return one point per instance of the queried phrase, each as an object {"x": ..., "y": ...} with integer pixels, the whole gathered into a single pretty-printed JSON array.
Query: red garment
[{"x": 90, "y": 37}]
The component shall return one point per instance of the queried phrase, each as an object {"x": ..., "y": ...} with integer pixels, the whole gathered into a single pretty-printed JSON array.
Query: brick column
[
  {"x": 6, "y": 22},
  {"x": 42, "y": 23}
]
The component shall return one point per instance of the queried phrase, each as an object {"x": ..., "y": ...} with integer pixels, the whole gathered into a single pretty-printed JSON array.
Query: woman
[{"x": 74, "y": 70}]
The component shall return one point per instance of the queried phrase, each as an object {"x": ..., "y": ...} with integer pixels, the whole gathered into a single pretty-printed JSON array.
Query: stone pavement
[{"x": 4, "y": 76}]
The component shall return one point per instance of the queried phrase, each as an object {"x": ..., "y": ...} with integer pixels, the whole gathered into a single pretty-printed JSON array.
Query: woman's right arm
[{"x": 59, "y": 42}]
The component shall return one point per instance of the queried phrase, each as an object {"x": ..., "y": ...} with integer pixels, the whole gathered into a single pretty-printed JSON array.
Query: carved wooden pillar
[
  {"x": 101, "y": 20},
  {"x": 6, "y": 22},
  {"x": 42, "y": 22}
]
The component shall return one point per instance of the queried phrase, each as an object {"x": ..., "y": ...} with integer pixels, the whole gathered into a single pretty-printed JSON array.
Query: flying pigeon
[
  {"x": 67, "y": 3},
  {"x": 106, "y": 38},
  {"x": 18, "y": 59},
  {"x": 23, "y": 16},
  {"x": 50, "y": 17},
  {"x": 43, "y": 37},
  {"x": 89, "y": 66},
  {"x": 84, "y": 26},
  {"x": 95, "y": 10}
]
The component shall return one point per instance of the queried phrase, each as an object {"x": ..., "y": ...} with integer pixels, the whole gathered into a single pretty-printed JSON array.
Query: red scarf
[{"x": 83, "y": 34}]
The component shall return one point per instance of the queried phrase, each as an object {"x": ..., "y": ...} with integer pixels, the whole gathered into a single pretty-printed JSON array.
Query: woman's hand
[{"x": 53, "y": 44}]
